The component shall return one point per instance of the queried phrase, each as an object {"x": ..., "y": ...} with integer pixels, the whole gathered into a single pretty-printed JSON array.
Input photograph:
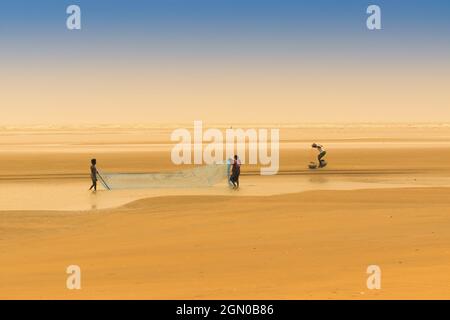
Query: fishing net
[{"x": 201, "y": 176}]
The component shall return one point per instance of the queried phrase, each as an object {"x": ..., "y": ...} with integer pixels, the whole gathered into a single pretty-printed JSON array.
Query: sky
[{"x": 224, "y": 61}]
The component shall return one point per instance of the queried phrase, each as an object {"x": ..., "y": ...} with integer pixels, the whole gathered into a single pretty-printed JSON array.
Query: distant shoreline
[{"x": 38, "y": 127}]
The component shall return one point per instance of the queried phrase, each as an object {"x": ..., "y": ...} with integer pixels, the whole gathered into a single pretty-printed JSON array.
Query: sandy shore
[{"x": 383, "y": 200}]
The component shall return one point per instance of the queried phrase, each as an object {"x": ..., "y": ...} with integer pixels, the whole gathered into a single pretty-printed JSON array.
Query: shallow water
[{"x": 72, "y": 194}]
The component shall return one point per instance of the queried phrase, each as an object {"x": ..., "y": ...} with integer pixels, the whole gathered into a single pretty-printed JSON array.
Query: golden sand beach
[{"x": 384, "y": 199}]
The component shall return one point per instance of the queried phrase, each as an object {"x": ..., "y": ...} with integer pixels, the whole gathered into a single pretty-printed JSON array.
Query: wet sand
[{"x": 383, "y": 199}]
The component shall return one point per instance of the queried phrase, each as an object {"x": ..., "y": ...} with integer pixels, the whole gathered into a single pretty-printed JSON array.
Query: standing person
[
  {"x": 235, "y": 172},
  {"x": 94, "y": 173},
  {"x": 322, "y": 153}
]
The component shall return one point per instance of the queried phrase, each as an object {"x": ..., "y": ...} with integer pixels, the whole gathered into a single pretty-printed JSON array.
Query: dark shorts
[{"x": 235, "y": 175}]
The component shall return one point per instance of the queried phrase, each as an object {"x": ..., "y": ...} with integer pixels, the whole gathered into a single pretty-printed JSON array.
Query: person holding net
[{"x": 94, "y": 173}]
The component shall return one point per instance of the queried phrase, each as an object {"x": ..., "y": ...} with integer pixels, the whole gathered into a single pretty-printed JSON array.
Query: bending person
[{"x": 322, "y": 154}]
